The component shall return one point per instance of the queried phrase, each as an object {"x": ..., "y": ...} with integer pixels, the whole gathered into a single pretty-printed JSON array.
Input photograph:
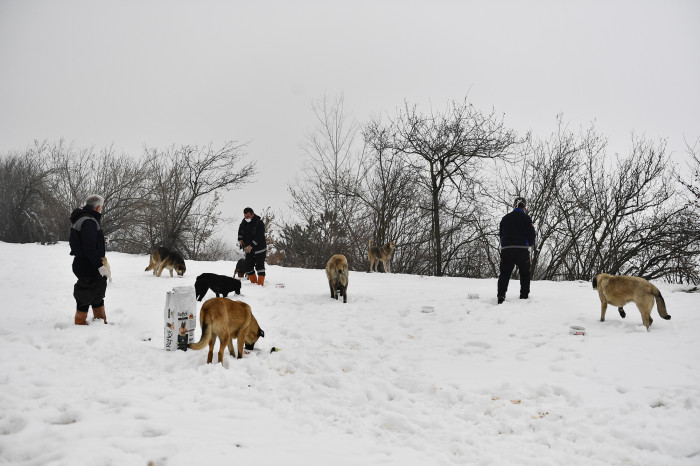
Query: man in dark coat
[
  {"x": 251, "y": 237},
  {"x": 87, "y": 244},
  {"x": 517, "y": 234}
]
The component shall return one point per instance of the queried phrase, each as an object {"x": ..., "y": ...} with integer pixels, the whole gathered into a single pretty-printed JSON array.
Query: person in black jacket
[
  {"x": 251, "y": 237},
  {"x": 87, "y": 244},
  {"x": 517, "y": 234}
]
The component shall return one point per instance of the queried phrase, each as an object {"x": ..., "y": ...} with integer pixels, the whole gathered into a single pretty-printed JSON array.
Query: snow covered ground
[{"x": 373, "y": 381}]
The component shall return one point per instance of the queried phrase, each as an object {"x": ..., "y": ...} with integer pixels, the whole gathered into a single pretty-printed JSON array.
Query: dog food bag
[{"x": 180, "y": 317}]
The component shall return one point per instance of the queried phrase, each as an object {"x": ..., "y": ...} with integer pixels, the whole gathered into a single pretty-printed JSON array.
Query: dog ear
[{"x": 261, "y": 333}]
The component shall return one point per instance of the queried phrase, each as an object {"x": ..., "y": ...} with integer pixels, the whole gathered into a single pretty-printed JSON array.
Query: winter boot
[
  {"x": 501, "y": 299},
  {"x": 80, "y": 318},
  {"x": 261, "y": 280},
  {"x": 253, "y": 278},
  {"x": 99, "y": 313}
]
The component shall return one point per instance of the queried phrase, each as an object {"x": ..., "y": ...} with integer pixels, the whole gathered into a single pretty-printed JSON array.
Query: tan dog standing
[
  {"x": 226, "y": 319},
  {"x": 337, "y": 273},
  {"x": 622, "y": 289},
  {"x": 383, "y": 254}
]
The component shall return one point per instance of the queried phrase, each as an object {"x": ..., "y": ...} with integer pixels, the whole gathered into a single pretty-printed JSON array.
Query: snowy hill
[{"x": 373, "y": 381}]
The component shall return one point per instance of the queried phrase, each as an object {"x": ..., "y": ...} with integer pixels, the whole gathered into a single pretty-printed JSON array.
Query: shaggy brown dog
[
  {"x": 164, "y": 258},
  {"x": 337, "y": 273},
  {"x": 383, "y": 254},
  {"x": 226, "y": 319},
  {"x": 622, "y": 289}
]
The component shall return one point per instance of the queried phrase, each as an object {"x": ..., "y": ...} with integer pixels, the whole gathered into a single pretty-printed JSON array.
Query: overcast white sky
[{"x": 160, "y": 72}]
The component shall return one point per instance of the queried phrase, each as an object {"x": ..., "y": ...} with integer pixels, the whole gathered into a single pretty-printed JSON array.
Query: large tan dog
[
  {"x": 165, "y": 258},
  {"x": 383, "y": 254},
  {"x": 337, "y": 273},
  {"x": 226, "y": 319},
  {"x": 622, "y": 289}
]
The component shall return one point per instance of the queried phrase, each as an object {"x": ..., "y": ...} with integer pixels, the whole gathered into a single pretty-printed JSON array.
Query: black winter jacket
[
  {"x": 87, "y": 242},
  {"x": 253, "y": 234},
  {"x": 516, "y": 230}
]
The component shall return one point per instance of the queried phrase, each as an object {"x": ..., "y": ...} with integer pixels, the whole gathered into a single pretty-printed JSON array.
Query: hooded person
[
  {"x": 517, "y": 236},
  {"x": 251, "y": 237},
  {"x": 87, "y": 245}
]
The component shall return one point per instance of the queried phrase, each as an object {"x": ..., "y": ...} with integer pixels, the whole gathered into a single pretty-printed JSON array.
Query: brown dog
[
  {"x": 165, "y": 258},
  {"x": 622, "y": 289},
  {"x": 337, "y": 273},
  {"x": 383, "y": 254},
  {"x": 226, "y": 319}
]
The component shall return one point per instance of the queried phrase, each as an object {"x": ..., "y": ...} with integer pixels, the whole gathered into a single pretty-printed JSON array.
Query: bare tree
[
  {"x": 120, "y": 179},
  {"x": 446, "y": 149},
  {"x": 331, "y": 158},
  {"x": 183, "y": 183},
  {"x": 549, "y": 173},
  {"x": 595, "y": 213},
  {"x": 25, "y": 197},
  {"x": 390, "y": 205},
  {"x": 692, "y": 181},
  {"x": 320, "y": 197}
]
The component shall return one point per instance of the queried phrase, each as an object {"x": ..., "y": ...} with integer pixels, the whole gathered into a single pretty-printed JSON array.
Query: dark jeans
[
  {"x": 255, "y": 262},
  {"x": 509, "y": 259},
  {"x": 90, "y": 291}
]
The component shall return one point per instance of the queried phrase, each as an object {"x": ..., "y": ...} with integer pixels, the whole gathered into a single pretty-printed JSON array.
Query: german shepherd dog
[
  {"x": 219, "y": 284},
  {"x": 240, "y": 268},
  {"x": 226, "y": 319},
  {"x": 383, "y": 254},
  {"x": 622, "y": 289},
  {"x": 165, "y": 258},
  {"x": 337, "y": 273}
]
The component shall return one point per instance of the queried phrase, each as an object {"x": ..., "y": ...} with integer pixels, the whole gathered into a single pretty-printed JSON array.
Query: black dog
[
  {"x": 219, "y": 284},
  {"x": 240, "y": 268}
]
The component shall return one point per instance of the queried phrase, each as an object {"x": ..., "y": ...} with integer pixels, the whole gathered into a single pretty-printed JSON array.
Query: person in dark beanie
[
  {"x": 87, "y": 244},
  {"x": 517, "y": 234},
  {"x": 251, "y": 237}
]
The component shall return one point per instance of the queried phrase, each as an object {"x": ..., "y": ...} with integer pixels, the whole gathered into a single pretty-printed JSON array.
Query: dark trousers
[
  {"x": 90, "y": 291},
  {"x": 509, "y": 259},
  {"x": 255, "y": 262}
]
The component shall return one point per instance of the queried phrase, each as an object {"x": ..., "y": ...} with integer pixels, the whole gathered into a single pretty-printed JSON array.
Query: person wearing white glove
[{"x": 87, "y": 245}]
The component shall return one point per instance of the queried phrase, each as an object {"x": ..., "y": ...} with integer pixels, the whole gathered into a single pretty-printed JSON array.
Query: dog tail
[
  {"x": 206, "y": 334},
  {"x": 661, "y": 305}
]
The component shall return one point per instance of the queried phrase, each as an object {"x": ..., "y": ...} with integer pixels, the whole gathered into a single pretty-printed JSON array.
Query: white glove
[{"x": 103, "y": 271}]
